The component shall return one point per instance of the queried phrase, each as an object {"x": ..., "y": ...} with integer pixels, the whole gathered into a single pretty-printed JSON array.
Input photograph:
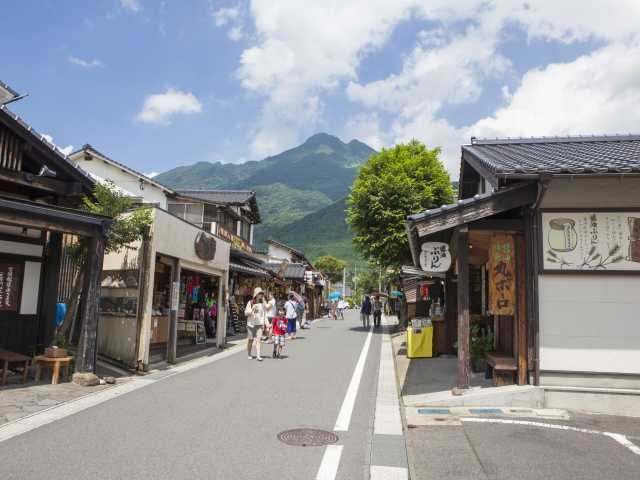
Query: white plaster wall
[
  {"x": 590, "y": 323},
  {"x": 279, "y": 253},
  {"x": 129, "y": 183}
]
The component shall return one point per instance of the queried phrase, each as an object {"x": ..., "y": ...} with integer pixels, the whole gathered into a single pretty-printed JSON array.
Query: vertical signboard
[
  {"x": 10, "y": 285},
  {"x": 502, "y": 275}
]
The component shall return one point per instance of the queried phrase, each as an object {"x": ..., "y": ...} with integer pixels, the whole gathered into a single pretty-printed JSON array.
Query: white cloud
[
  {"x": 226, "y": 15},
  {"x": 86, "y": 64},
  {"x": 235, "y": 34},
  {"x": 161, "y": 107},
  {"x": 366, "y": 127},
  {"x": 131, "y": 5},
  {"x": 65, "y": 150},
  {"x": 152, "y": 174}
]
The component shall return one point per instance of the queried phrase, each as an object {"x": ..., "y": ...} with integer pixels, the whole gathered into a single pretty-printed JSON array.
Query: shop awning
[{"x": 253, "y": 271}]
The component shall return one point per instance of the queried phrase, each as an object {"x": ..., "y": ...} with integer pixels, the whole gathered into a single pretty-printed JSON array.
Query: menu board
[
  {"x": 591, "y": 241},
  {"x": 10, "y": 285},
  {"x": 502, "y": 275}
]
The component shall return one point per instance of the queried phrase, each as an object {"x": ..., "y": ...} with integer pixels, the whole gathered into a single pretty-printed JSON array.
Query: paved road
[{"x": 218, "y": 421}]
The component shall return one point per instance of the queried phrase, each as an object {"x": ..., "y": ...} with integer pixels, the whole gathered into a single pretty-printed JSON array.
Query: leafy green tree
[
  {"x": 129, "y": 225},
  {"x": 330, "y": 266},
  {"x": 393, "y": 184}
]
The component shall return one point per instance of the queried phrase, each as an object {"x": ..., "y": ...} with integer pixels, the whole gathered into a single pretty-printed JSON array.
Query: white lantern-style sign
[{"x": 435, "y": 257}]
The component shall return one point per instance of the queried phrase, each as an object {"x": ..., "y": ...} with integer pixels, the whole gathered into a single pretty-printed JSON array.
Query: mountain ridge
[{"x": 291, "y": 185}]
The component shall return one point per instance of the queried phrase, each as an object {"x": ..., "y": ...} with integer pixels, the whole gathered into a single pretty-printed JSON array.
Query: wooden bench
[
  {"x": 504, "y": 368},
  {"x": 7, "y": 357},
  {"x": 54, "y": 363}
]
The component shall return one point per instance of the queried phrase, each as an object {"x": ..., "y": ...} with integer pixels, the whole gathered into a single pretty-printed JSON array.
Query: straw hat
[{"x": 257, "y": 291}]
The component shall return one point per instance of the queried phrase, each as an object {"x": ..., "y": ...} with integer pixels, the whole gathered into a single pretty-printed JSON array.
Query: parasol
[
  {"x": 296, "y": 296},
  {"x": 335, "y": 295}
]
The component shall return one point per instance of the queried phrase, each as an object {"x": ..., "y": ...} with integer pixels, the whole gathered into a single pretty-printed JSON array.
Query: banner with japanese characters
[
  {"x": 10, "y": 285},
  {"x": 591, "y": 241},
  {"x": 502, "y": 275}
]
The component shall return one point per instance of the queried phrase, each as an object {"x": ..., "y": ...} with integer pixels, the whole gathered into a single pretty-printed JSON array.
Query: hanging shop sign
[
  {"x": 236, "y": 241},
  {"x": 205, "y": 246},
  {"x": 435, "y": 257},
  {"x": 591, "y": 241},
  {"x": 10, "y": 283},
  {"x": 502, "y": 275}
]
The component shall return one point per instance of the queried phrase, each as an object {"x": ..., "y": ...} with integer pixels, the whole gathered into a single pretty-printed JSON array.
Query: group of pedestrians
[
  {"x": 368, "y": 307},
  {"x": 266, "y": 322}
]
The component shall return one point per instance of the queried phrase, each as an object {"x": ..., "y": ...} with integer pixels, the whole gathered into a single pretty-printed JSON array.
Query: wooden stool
[
  {"x": 504, "y": 368},
  {"x": 7, "y": 357},
  {"x": 54, "y": 363}
]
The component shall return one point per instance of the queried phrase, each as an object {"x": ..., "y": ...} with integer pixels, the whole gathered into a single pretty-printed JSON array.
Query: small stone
[
  {"x": 85, "y": 379},
  {"x": 102, "y": 382},
  {"x": 110, "y": 380}
]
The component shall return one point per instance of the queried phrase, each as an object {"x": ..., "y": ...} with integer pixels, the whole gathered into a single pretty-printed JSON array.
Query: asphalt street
[{"x": 218, "y": 421}]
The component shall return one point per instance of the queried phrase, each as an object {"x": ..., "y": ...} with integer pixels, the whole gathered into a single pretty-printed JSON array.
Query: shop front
[
  {"x": 546, "y": 269},
  {"x": 165, "y": 299}
]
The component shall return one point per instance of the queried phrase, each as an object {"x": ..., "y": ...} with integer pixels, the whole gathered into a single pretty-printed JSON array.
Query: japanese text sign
[{"x": 502, "y": 275}]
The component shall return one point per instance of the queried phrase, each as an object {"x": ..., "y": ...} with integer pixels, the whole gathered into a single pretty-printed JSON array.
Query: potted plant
[{"x": 481, "y": 343}]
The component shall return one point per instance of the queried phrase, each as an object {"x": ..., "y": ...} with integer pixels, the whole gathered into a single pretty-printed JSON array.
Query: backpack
[{"x": 299, "y": 309}]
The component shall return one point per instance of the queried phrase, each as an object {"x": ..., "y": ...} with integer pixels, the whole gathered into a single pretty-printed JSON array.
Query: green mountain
[
  {"x": 324, "y": 232},
  {"x": 300, "y": 191}
]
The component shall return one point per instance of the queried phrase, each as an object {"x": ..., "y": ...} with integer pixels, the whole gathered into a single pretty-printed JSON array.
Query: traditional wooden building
[
  {"x": 545, "y": 238},
  {"x": 40, "y": 193}
]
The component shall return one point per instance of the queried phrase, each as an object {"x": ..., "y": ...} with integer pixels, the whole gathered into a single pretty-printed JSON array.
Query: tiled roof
[
  {"x": 90, "y": 148},
  {"x": 250, "y": 270},
  {"x": 7, "y": 93},
  {"x": 59, "y": 157},
  {"x": 227, "y": 197},
  {"x": 294, "y": 271},
  {"x": 553, "y": 155}
]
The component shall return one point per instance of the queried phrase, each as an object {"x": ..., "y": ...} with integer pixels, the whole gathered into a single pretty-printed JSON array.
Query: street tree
[
  {"x": 394, "y": 183},
  {"x": 128, "y": 226},
  {"x": 331, "y": 266}
]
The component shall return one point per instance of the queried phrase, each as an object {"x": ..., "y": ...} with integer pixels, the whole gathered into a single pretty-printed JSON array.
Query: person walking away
[
  {"x": 270, "y": 313},
  {"x": 365, "y": 311},
  {"x": 334, "y": 309},
  {"x": 377, "y": 311},
  {"x": 342, "y": 305},
  {"x": 255, "y": 312},
  {"x": 279, "y": 325},
  {"x": 300, "y": 309},
  {"x": 291, "y": 314}
]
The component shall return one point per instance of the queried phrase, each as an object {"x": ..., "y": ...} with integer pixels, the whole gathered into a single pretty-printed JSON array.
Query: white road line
[
  {"x": 387, "y": 419},
  {"x": 624, "y": 441},
  {"x": 330, "y": 462},
  {"x": 344, "y": 417},
  {"x": 621, "y": 439},
  {"x": 388, "y": 473}
]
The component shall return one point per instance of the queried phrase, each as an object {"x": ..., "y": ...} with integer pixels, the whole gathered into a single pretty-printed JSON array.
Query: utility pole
[
  {"x": 344, "y": 282},
  {"x": 355, "y": 278}
]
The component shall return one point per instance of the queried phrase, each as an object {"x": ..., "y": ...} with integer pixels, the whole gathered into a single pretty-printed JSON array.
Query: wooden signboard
[
  {"x": 502, "y": 275},
  {"x": 10, "y": 285}
]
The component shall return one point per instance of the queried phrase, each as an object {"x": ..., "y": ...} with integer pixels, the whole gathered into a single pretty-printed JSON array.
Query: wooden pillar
[
  {"x": 88, "y": 344},
  {"x": 146, "y": 269},
  {"x": 50, "y": 288},
  {"x": 172, "y": 343},
  {"x": 223, "y": 303},
  {"x": 462, "y": 251},
  {"x": 451, "y": 311},
  {"x": 521, "y": 313}
]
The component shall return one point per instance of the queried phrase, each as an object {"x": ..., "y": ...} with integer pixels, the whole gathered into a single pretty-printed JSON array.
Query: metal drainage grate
[{"x": 307, "y": 437}]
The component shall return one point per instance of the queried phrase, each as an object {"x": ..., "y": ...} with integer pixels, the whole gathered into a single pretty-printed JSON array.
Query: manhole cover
[{"x": 307, "y": 437}]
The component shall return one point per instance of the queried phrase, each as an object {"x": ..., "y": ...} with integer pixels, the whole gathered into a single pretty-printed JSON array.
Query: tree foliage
[
  {"x": 128, "y": 225},
  {"x": 395, "y": 183},
  {"x": 330, "y": 266}
]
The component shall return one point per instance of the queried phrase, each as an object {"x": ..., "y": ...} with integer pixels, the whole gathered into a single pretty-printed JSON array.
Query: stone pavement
[{"x": 17, "y": 401}]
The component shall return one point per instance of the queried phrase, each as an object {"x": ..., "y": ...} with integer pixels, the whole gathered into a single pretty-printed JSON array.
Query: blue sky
[{"x": 156, "y": 84}]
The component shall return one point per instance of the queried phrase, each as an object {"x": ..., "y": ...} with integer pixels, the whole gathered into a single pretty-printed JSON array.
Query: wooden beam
[
  {"x": 521, "y": 312},
  {"x": 490, "y": 177},
  {"x": 45, "y": 184},
  {"x": 477, "y": 209},
  {"x": 462, "y": 260},
  {"x": 88, "y": 344},
  {"x": 492, "y": 224},
  {"x": 52, "y": 264}
]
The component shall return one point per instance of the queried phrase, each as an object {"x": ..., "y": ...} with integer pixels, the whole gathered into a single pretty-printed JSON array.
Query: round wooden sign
[{"x": 205, "y": 246}]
